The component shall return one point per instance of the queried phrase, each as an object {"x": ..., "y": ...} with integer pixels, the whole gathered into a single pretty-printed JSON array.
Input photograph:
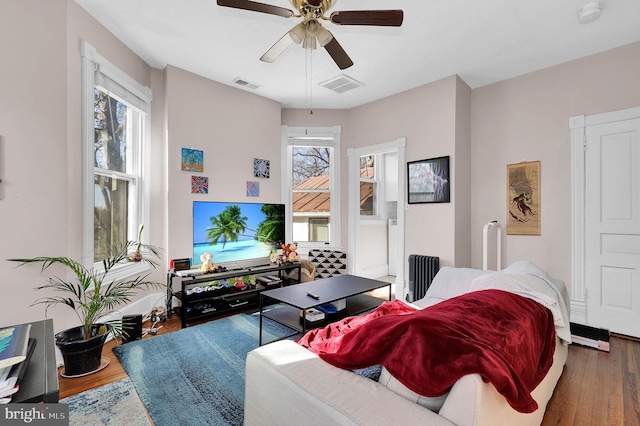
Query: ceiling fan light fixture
[
  {"x": 309, "y": 42},
  {"x": 324, "y": 36},
  {"x": 298, "y": 33}
]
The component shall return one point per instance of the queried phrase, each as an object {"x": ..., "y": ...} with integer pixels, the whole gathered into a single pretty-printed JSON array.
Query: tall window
[
  {"x": 115, "y": 171},
  {"x": 115, "y": 127},
  {"x": 311, "y": 187}
]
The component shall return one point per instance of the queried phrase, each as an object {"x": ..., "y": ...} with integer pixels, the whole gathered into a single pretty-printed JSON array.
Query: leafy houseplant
[{"x": 92, "y": 295}]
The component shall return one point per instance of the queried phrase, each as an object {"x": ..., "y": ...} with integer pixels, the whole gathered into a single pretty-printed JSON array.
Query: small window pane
[
  {"x": 110, "y": 132},
  {"x": 319, "y": 229},
  {"x": 311, "y": 216},
  {"x": 311, "y": 166},
  {"x": 367, "y": 198},
  {"x": 367, "y": 167},
  {"x": 110, "y": 214}
]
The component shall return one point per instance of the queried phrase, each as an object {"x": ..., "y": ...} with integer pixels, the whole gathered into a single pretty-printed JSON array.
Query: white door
[{"x": 612, "y": 226}]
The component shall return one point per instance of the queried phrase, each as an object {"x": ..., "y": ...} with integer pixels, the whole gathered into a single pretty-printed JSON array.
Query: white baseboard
[
  {"x": 139, "y": 307},
  {"x": 578, "y": 311}
]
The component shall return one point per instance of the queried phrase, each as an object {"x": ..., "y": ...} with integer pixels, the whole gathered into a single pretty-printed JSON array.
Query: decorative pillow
[
  {"x": 431, "y": 403},
  {"x": 328, "y": 263}
]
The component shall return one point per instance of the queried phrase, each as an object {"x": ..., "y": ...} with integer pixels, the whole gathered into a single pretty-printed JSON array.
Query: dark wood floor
[{"x": 596, "y": 388}]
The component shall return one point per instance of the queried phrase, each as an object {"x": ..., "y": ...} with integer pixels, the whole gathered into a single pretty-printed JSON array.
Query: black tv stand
[{"x": 213, "y": 294}]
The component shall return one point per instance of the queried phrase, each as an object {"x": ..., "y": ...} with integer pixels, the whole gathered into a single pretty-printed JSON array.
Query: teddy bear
[
  {"x": 289, "y": 253},
  {"x": 207, "y": 264}
]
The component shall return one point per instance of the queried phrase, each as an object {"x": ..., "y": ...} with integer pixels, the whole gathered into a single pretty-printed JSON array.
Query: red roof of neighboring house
[{"x": 304, "y": 202}]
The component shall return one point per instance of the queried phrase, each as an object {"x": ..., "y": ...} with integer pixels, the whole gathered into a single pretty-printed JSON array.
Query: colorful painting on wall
[
  {"x": 199, "y": 185},
  {"x": 192, "y": 160},
  {"x": 523, "y": 198},
  {"x": 253, "y": 189}
]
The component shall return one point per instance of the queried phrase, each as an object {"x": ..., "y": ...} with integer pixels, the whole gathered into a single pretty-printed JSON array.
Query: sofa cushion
[{"x": 432, "y": 403}]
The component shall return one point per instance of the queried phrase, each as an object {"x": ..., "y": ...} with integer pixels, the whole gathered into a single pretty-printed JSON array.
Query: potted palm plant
[{"x": 92, "y": 294}]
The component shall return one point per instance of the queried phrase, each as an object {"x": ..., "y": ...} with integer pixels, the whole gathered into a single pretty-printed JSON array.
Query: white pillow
[
  {"x": 451, "y": 282},
  {"x": 431, "y": 403}
]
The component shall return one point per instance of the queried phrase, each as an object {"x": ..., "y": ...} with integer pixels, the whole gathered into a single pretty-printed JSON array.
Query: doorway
[
  {"x": 606, "y": 180},
  {"x": 371, "y": 234}
]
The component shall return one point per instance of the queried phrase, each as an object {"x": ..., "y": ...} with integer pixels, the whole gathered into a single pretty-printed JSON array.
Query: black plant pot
[{"x": 81, "y": 356}]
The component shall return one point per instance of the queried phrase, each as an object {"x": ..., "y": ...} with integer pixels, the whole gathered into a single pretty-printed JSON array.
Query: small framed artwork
[
  {"x": 192, "y": 160},
  {"x": 199, "y": 185},
  {"x": 261, "y": 168},
  {"x": 253, "y": 189},
  {"x": 429, "y": 181},
  {"x": 523, "y": 198}
]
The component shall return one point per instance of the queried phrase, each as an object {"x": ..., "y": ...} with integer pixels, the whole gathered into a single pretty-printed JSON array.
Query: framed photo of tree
[{"x": 523, "y": 198}]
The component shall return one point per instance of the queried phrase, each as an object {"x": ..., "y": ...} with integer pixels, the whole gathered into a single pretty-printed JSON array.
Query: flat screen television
[{"x": 238, "y": 235}]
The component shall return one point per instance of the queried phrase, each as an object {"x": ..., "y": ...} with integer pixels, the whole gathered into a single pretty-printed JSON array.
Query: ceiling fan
[{"x": 310, "y": 32}]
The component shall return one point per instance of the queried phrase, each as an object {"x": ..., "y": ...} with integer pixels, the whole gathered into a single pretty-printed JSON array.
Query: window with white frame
[
  {"x": 116, "y": 119},
  {"x": 311, "y": 185}
]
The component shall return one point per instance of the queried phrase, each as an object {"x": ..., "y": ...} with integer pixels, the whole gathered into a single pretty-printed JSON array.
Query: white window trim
[
  {"x": 330, "y": 135},
  {"x": 91, "y": 60},
  {"x": 354, "y": 218}
]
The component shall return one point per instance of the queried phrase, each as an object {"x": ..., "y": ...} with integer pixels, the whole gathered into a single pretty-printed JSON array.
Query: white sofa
[{"x": 286, "y": 384}]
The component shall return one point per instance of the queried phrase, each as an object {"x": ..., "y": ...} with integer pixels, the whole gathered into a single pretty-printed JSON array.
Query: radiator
[{"x": 422, "y": 269}]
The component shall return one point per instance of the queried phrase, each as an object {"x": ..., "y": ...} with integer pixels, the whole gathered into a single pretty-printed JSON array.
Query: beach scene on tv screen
[{"x": 236, "y": 231}]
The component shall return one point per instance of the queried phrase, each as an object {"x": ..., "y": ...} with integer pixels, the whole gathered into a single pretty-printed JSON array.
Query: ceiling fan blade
[
  {"x": 385, "y": 18},
  {"x": 338, "y": 54},
  {"x": 257, "y": 7},
  {"x": 277, "y": 49}
]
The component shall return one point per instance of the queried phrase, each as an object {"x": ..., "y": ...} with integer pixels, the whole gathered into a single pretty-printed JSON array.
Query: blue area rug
[
  {"x": 195, "y": 376},
  {"x": 114, "y": 404}
]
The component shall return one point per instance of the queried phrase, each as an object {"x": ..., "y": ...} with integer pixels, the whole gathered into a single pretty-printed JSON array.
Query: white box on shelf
[
  {"x": 313, "y": 315},
  {"x": 340, "y": 304}
]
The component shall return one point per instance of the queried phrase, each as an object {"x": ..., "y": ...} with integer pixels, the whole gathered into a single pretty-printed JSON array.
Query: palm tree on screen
[
  {"x": 271, "y": 229},
  {"x": 227, "y": 225}
]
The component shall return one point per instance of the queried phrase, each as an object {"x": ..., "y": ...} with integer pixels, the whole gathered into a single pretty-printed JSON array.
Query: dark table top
[{"x": 329, "y": 290}]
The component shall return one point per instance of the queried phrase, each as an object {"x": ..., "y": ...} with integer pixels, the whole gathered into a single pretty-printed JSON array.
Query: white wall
[
  {"x": 40, "y": 149},
  {"x": 526, "y": 119},
  {"x": 232, "y": 127},
  {"x": 521, "y": 119},
  {"x": 426, "y": 117}
]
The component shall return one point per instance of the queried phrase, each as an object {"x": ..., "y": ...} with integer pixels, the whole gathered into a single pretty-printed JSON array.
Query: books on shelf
[{"x": 16, "y": 348}]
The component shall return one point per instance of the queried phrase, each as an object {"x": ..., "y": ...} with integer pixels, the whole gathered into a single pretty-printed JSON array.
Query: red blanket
[{"x": 506, "y": 338}]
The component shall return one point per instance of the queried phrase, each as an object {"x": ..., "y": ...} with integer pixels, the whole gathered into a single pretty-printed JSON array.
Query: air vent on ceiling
[
  {"x": 341, "y": 83},
  {"x": 245, "y": 83}
]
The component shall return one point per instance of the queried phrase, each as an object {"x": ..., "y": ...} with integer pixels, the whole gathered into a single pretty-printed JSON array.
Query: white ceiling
[{"x": 481, "y": 41}]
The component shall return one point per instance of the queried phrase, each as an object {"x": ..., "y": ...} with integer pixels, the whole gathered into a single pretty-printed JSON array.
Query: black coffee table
[{"x": 296, "y": 299}]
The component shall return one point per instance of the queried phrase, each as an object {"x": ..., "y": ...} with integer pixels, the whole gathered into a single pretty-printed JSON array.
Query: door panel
[{"x": 612, "y": 223}]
